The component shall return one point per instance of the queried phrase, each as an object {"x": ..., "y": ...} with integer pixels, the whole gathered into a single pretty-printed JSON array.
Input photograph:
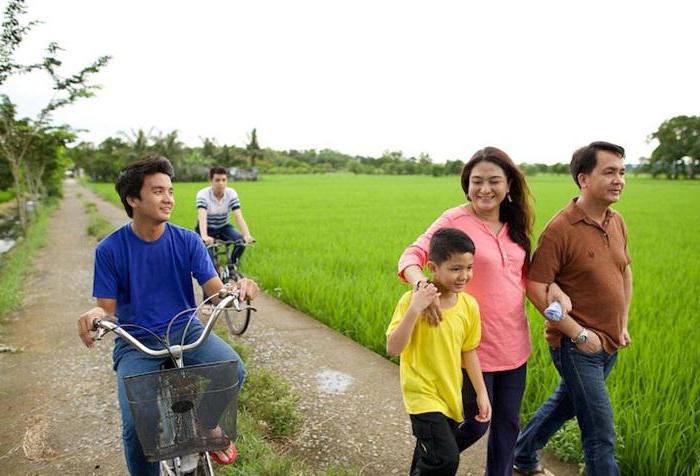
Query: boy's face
[
  {"x": 218, "y": 183},
  {"x": 454, "y": 273},
  {"x": 157, "y": 199}
]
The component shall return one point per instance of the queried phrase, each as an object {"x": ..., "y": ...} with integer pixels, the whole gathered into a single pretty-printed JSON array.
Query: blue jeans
[
  {"x": 582, "y": 394},
  {"x": 130, "y": 361},
  {"x": 227, "y": 233}
]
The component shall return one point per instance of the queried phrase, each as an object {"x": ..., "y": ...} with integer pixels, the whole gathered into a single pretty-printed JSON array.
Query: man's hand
[
  {"x": 592, "y": 344},
  {"x": 248, "y": 239},
  {"x": 248, "y": 289},
  {"x": 208, "y": 240},
  {"x": 554, "y": 293},
  {"x": 625, "y": 338},
  {"x": 86, "y": 324}
]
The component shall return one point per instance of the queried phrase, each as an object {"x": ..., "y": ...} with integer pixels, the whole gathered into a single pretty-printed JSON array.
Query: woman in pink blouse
[{"x": 498, "y": 218}]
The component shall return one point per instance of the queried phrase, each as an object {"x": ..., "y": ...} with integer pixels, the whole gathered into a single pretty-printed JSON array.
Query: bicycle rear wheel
[{"x": 237, "y": 322}]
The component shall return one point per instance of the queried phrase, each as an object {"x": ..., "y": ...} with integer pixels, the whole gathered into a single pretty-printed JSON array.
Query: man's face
[
  {"x": 157, "y": 199},
  {"x": 218, "y": 183},
  {"x": 606, "y": 181}
]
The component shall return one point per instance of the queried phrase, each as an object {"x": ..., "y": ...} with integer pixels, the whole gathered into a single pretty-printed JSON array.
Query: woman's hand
[{"x": 425, "y": 295}]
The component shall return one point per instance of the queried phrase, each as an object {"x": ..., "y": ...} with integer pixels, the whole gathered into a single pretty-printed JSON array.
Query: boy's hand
[
  {"x": 423, "y": 295},
  {"x": 482, "y": 401},
  {"x": 248, "y": 289},
  {"x": 86, "y": 324}
]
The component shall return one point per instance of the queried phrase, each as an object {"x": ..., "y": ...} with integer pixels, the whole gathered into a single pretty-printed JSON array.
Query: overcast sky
[{"x": 535, "y": 78}]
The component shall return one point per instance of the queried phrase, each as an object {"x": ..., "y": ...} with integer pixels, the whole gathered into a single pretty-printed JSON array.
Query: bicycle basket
[{"x": 184, "y": 411}]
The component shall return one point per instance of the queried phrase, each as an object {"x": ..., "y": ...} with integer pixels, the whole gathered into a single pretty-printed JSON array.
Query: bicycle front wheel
[{"x": 237, "y": 322}]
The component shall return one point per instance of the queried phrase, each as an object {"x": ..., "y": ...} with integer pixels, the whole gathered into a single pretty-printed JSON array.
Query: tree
[
  {"x": 678, "y": 152},
  {"x": 17, "y": 135},
  {"x": 253, "y": 148}
]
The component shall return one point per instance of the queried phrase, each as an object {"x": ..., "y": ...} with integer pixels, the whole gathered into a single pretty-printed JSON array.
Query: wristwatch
[{"x": 582, "y": 337}]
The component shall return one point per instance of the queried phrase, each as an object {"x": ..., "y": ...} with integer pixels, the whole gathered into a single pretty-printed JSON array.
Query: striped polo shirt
[{"x": 218, "y": 210}]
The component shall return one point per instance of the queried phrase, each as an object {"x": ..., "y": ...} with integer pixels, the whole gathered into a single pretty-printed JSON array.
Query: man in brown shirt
[{"x": 584, "y": 250}]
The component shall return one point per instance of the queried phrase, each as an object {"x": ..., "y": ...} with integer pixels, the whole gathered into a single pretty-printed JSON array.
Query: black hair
[
  {"x": 130, "y": 179},
  {"x": 448, "y": 241},
  {"x": 217, "y": 170},
  {"x": 517, "y": 211},
  {"x": 585, "y": 159}
]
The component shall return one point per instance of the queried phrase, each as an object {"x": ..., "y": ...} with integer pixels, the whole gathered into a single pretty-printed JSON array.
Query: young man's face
[
  {"x": 157, "y": 199},
  {"x": 606, "y": 181},
  {"x": 454, "y": 273},
  {"x": 218, "y": 182}
]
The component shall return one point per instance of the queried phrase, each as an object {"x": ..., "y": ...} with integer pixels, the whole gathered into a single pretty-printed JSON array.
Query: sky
[{"x": 537, "y": 79}]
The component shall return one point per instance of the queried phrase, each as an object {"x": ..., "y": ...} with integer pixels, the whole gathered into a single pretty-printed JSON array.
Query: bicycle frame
[{"x": 103, "y": 326}]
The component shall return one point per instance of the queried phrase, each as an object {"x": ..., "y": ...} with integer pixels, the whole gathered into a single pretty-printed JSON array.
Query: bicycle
[
  {"x": 221, "y": 252},
  {"x": 174, "y": 407}
]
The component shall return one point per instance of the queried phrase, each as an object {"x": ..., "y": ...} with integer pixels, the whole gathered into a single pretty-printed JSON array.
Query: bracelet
[{"x": 417, "y": 286}]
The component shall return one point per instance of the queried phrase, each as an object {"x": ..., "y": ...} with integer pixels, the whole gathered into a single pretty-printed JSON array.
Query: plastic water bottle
[{"x": 554, "y": 312}]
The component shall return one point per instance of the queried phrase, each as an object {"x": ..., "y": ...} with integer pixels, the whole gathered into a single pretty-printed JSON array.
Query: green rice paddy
[{"x": 328, "y": 245}]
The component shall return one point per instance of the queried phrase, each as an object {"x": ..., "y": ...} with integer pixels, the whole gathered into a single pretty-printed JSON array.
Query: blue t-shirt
[{"x": 151, "y": 280}]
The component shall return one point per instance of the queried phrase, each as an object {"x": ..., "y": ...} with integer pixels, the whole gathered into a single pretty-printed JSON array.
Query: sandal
[
  {"x": 539, "y": 469},
  {"x": 229, "y": 454}
]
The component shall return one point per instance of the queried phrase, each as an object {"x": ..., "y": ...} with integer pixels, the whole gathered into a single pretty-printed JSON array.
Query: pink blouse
[{"x": 498, "y": 286}]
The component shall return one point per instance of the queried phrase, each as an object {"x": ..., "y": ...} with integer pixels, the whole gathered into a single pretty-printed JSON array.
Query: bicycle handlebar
[
  {"x": 240, "y": 242},
  {"x": 102, "y": 326}
]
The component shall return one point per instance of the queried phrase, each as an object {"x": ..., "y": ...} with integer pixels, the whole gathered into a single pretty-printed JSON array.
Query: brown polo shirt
[{"x": 588, "y": 262}]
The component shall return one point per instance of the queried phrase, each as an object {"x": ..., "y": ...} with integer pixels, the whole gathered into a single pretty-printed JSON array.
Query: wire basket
[{"x": 184, "y": 411}]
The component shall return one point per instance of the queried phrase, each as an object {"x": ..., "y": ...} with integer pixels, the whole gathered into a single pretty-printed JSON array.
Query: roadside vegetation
[
  {"x": 17, "y": 265},
  {"x": 97, "y": 226},
  {"x": 267, "y": 419}
]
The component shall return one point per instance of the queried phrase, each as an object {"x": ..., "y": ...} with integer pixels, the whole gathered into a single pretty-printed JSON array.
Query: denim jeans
[
  {"x": 582, "y": 394},
  {"x": 227, "y": 233},
  {"x": 130, "y": 361}
]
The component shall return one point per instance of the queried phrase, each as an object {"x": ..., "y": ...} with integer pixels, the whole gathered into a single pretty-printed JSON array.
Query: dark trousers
[
  {"x": 581, "y": 393},
  {"x": 505, "y": 389},
  {"x": 226, "y": 233},
  {"x": 436, "y": 451}
]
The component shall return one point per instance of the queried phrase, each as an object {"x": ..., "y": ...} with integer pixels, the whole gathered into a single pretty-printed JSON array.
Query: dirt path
[
  {"x": 59, "y": 413},
  {"x": 58, "y": 408}
]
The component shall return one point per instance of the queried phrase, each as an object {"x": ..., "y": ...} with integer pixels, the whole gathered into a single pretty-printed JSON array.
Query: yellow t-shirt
[{"x": 431, "y": 375}]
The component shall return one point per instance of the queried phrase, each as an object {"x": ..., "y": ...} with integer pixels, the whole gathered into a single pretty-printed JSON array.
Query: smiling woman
[{"x": 498, "y": 218}]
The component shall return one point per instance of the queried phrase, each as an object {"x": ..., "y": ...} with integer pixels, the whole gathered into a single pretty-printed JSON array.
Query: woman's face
[{"x": 488, "y": 186}]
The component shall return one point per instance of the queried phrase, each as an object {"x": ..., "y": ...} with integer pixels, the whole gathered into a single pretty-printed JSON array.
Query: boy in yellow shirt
[{"x": 432, "y": 356}]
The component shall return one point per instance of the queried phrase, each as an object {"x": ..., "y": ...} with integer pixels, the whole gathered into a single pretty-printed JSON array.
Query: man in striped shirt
[{"x": 213, "y": 206}]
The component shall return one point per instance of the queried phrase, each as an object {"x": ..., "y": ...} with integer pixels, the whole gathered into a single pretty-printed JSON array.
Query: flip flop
[{"x": 230, "y": 450}]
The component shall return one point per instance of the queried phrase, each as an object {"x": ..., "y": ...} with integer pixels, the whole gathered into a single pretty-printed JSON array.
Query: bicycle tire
[{"x": 237, "y": 322}]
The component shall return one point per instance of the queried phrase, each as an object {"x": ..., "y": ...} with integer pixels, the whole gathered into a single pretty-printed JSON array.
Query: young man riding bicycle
[
  {"x": 143, "y": 275},
  {"x": 213, "y": 206}
]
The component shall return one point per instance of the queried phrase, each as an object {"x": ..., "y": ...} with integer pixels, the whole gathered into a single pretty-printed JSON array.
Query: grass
[
  {"x": 97, "y": 226},
  {"x": 267, "y": 419},
  {"x": 328, "y": 245},
  {"x": 17, "y": 263},
  {"x": 6, "y": 195}
]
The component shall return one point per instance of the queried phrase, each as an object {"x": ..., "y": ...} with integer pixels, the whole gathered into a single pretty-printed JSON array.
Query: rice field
[{"x": 328, "y": 245}]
